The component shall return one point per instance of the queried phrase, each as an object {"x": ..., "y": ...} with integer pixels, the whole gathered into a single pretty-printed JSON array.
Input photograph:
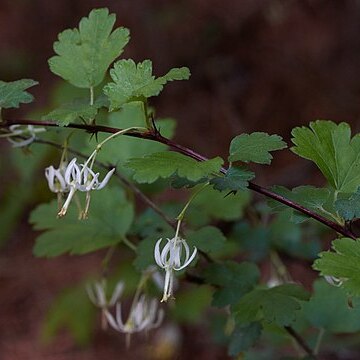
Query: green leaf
[
  {"x": 342, "y": 263},
  {"x": 208, "y": 239},
  {"x": 211, "y": 204},
  {"x": 136, "y": 81},
  {"x": 289, "y": 237},
  {"x": 244, "y": 337},
  {"x": 164, "y": 164},
  {"x": 236, "y": 178},
  {"x": 78, "y": 109},
  {"x": 255, "y": 241},
  {"x": 255, "y": 147},
  {"x": 13, "y": 93},
  {"x": 145, "y": 254},
  {"x": 85, "y": 54},
  {"x": 151, "y": 227},
  {"x": 319, "y": 200},
  {"x": 151, "y": 224},
  {"x": 331, "y": 148},
  {"x": 109, "y": 220},
  {"x": 278, "y": 304},
  {"x": 192, "y": 304},
  {"x": 179, "y": 182},
  {"x": 73, "y": 311},
  {"x": 328, "y": 309},
  {"x": 349, "y": 208},
  {"x": 234, "y": 281}
]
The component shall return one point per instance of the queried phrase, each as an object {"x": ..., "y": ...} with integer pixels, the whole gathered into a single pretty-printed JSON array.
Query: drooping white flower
[
  {"x": 170, "y": 259},
  {"x": 144, "y": 315},
  {"x": 84, "y": 179},
  {"x": 158, "y": 278},
  {"x": 334, "y": 281},
  {"x": 20, "y": 136},
  {"x": 97, "y": 295},
  {"x": 56, "y": 179}
]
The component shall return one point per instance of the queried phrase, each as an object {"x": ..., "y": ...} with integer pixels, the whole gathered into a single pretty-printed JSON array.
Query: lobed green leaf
[
  {"x": 109, "y": 220},
  {"x": 332, "y": 149},
  {"x": 135, "y": 81},
  {"x": 255, "y": 147},
  {"x": 164, "y": 164},
  {"x": 85, "y": 54},
  {"x": 244, "y": 337},
  {"x": 77, "y": 109},
  {"x": 233, "y": 279},
  {"x": 317, "y": 199},
  {"x": 73, "y": 311},
  {"x": 208, "y": 239},
  {"x": 349, "y": 207},
  {"x": 236, "y": 178},
  {"x": 277, "y": 305},
  {"x": 13, "y": 93},
  {"x": 328, "y": 309},
  {"x": 342, "y": 263}
]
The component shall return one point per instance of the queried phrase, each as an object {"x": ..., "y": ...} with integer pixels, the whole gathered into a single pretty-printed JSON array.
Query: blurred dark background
[{"x": 257, "y": 65}]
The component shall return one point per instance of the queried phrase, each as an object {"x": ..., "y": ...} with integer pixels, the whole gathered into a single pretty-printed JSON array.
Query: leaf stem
[
  {"x": 193, "y": 196},
  {"x": 156, "y": 136},
  {"x": 319, "y": 340},
  {"x": 91, "y": 95},
  {"x": 129, "y": 244}
]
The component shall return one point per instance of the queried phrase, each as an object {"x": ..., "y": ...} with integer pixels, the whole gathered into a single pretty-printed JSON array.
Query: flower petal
[
  {"x": 157, "y": 254},
  {"x": 106, "y": 179},
  {"x": 119, "y": 288}
]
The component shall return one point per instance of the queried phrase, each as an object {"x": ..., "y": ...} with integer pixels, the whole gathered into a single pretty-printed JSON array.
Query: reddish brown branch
[{"x": 155, "y": 136}]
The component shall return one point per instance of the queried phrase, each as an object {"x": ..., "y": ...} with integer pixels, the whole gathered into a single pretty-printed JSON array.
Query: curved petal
[
  {"x": 21, "y": 143},
  {"x": 157, "y": 254},
  {"x": 69, "y": 170},
  {"x": 166, "y": 254},
  {"x": 63, "y": 186},
  {"x": 187, "y": 262},
  {"x": 91, "y": 294},
  {"x": 49, "y": 174},
  {"x": 119, "y": 321},
  {"x": 187, "y": 250},
  {"x": 110, "y": 319},
  {"x": 160, "y": 318},
  {"x": 106, "y": 179},
  {"x": 119, "y": 288},
  {"x": 100, "y": 293}
]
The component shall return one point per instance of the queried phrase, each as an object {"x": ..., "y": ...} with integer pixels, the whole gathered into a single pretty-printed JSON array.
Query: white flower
[
  {"x": 169, "y": 258},
  {"x": 158, "y": 278},
  {"x": 56, "y": 179},
  {"x": 332, "y": 280},
  {"x": 82, "y": 178},
  {"x": 29, "y": 133},
  {"x": 97, "y": 295},
  {"x": 144, "y": 315}
]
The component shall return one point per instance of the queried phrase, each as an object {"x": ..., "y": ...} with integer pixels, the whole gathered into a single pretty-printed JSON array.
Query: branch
[
  {"x": 300, "y": 341},
  {"x": 155, "y": 136}
]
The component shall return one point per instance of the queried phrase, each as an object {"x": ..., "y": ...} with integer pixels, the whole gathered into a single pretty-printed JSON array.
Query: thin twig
[
  {"x": 302, "y": 343},
  {"x": 155, "y": 136}
]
